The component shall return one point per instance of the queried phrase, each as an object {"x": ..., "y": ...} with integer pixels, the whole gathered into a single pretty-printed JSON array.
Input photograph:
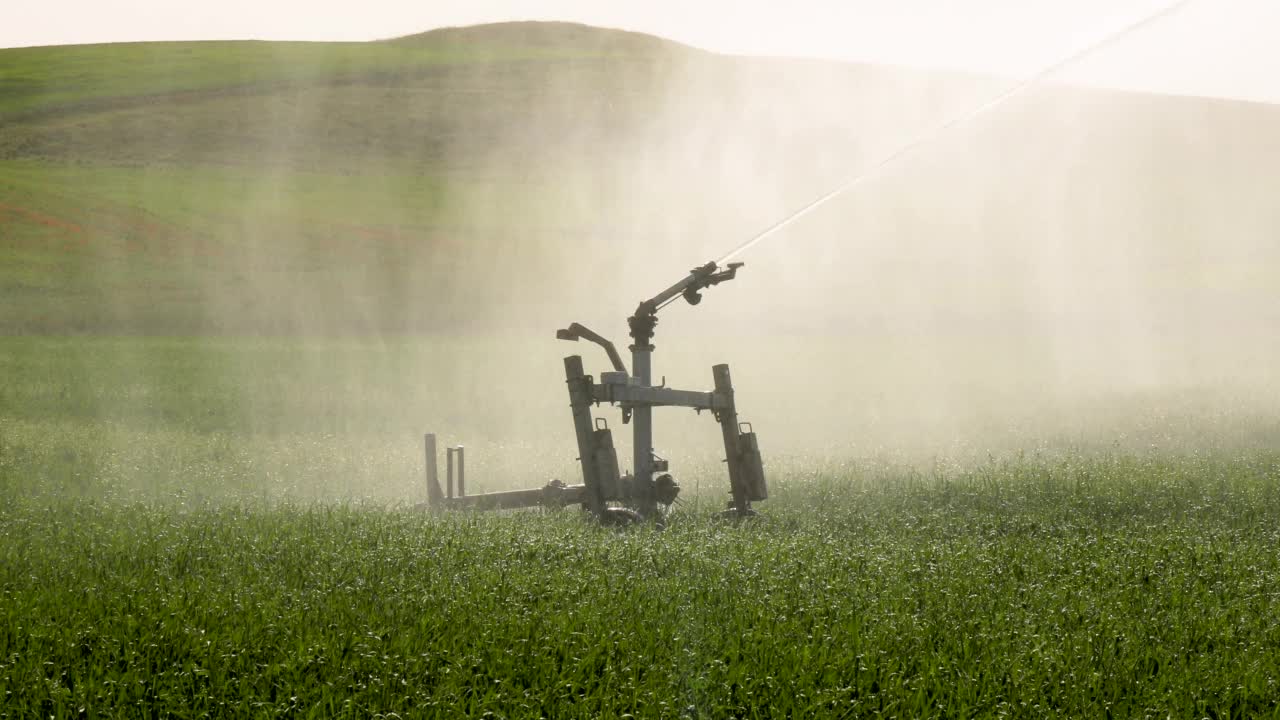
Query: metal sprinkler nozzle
[{"x": 578, "y": 330}]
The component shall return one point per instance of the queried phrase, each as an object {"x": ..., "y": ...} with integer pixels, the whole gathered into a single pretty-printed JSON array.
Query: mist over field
[
  {"x": 1015, "y": 392},
  {"x": 1076, "y": 267}
]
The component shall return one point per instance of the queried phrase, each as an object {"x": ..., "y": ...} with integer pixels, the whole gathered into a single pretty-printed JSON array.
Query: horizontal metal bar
[
  {"x": 514, "y": 499},
  {"x": 655, "y": 397}
]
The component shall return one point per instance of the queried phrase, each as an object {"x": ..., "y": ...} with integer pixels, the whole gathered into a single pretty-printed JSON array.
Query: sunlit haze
[
  {"x": 1213, "y": 47},
  {"x": 353, "y": 355}
]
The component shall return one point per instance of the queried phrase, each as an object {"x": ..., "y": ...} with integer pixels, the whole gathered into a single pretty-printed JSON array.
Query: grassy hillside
[
  {"x": 141, "y": 184},
  {"x": 445, "y": 179},
  {"x": 65, "y": 79}
]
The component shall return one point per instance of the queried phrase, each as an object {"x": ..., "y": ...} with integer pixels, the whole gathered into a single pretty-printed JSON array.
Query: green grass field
[
  {"x": 173, "y": 547},
  {"x": 1115, "y": 586},
  {"x": 1018, "y": 422}
]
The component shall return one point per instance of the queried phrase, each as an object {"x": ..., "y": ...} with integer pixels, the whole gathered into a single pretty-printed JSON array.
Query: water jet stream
[{"x": 933, "y": 133}]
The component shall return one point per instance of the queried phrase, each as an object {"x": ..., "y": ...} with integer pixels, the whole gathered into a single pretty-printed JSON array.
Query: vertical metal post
[
  {"x": 462, "y": 472},
  {"x": 448, "y": 455},
  {"x": 433, "y": 468},
  {"x": 580, "y": 402},
  {"x": 642, "y": 431},
  {"x": 729, "y": 429}
]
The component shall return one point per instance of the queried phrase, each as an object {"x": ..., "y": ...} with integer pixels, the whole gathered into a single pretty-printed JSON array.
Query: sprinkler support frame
[{"x": 606, "y": 492}]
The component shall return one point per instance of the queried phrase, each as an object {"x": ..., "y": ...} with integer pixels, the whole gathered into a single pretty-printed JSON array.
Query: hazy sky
[{"x": 1213, "y": 47}]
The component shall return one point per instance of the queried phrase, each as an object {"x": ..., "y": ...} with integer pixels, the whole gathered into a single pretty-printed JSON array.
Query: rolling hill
[{"x": 493, "y": 176}]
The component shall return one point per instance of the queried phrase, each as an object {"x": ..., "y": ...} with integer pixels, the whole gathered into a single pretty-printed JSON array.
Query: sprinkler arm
[
  {"x": 577, "y": 330},
  {"x": 646, "y": 315},
  {"x": 699, "y": 278}
]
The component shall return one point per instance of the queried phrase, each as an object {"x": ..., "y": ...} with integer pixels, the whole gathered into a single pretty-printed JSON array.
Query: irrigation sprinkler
[
  {"x": 623, "y": 498},
  {"x": 649, "y": 489}
]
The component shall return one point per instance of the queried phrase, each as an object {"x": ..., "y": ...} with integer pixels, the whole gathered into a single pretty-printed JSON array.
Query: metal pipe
[
  {"x": 433, "y": 468},
  {"x": 642, "y": 432},
  {"x": 448, "y": 455},
  {"x": 462, "y": 472},
  {"x": 578, "y": 330},
  {"x": 517, "y": 499},
  {"x": 580, "y": 401},
  {"x": 728, "y": 418}
]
